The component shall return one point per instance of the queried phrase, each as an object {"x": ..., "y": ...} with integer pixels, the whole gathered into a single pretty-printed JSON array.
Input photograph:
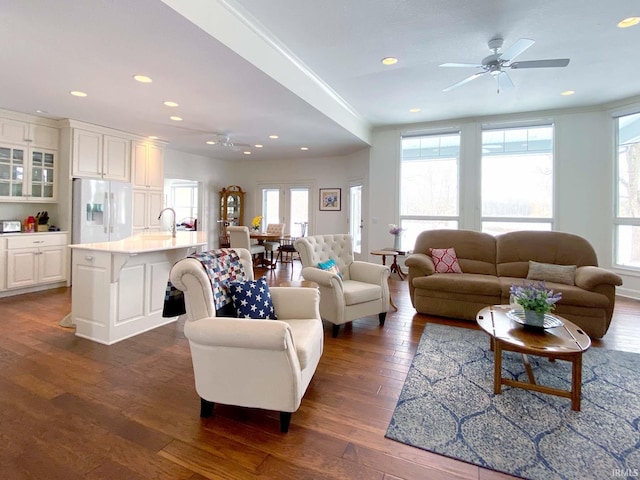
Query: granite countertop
[{"x": 149, "y": 242}]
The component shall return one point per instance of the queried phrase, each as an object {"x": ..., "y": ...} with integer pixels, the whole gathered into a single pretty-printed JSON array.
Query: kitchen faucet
[{"x": 173, "y": 220}]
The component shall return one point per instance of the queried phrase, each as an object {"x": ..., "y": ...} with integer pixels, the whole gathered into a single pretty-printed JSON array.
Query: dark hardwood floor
[{"x": 74, "y": 409}]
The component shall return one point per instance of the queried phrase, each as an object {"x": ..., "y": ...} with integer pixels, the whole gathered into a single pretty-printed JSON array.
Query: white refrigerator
[{"x": 102, "y": 210}]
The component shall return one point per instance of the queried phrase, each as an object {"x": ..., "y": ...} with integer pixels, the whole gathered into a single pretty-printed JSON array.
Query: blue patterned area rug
[{"x": 447, "y": 406}]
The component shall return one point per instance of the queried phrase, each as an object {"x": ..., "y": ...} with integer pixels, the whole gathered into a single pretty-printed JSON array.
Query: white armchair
[
  {"x": 264, "y": 364},
  {"x": 363, "y": 289}
]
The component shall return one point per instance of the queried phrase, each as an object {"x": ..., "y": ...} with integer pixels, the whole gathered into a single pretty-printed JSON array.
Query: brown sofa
[{"x": 490, "y": 265}]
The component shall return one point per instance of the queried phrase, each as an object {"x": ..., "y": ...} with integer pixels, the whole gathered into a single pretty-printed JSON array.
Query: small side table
[{"x": 394, "y": 264}]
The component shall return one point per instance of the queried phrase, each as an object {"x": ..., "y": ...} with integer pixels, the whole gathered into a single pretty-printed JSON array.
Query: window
[
  {"x": 183, "y": 198},
  {"x": 627, "y": 221},
  {"x": 429, "y": 184},
  {"x": 517, "y": 179}
]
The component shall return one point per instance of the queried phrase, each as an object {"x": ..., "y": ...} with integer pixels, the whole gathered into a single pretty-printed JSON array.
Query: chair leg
[
  {"x": 336, "y": 329},
  {"x": 285, "y": 420},
  {"x": 206, "y": 408},
  {"x": 382, "y": 316}
]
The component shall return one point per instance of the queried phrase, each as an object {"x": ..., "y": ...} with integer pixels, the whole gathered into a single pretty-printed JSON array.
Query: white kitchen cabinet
[
  {"x": 99, "y": 155},
  {"x": 28, "y": 161},
  {"x": 16, "y": 131},
  {"x": 147, "y": 170},
  {"x": 27, "y": 173},
  {"x": 119, "y": 287},
  {"x": 37, "y": 258},
  {"x": 147, "y": 205}
]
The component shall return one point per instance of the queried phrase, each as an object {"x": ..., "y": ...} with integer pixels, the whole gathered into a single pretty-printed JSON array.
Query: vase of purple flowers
[
  {"x": 536, "y": 301},
  {"x": 396, "y": 231}
]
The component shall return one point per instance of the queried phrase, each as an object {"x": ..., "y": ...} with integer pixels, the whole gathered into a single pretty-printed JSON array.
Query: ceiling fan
[
  {"x": 222, "y": 140},
  {"x": 496, "y": 63}
]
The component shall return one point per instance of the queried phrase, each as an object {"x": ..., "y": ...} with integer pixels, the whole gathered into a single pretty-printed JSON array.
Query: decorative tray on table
[{"x": 550, "y": 321}]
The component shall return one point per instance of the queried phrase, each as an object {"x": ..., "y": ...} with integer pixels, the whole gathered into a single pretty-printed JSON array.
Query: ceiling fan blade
[
  {"x": 516, "y": 49},
  {"x": 556, "y": 62},
  {"x": 461, "y": 65},
  {"x": 504, "y": 82},
  {"x": 466, "y": 80}
]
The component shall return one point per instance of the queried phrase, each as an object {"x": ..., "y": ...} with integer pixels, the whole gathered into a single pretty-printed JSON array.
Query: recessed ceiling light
[
  {"x": 247, "y": 152},
  {"x": 175, "y": 118},
  {"x": 41, "y": 111},
  {"x": 273, "y": 137},
  {"x": 257, "y": 145},
  {"x": 142, "y": 78},
  {"x": 566, "y": 93},
  {"x": 414, "y": 110},
  {"x": 628, "y": 22},
  {"x": 304, "y": 148},
  {"x": 211, "y": 142},
  {"x": 170, "y": 104},
  {"x": 389, "y": 60},
  {"x": 153, "y": 137},
  {"x": 77, "y": 93}
]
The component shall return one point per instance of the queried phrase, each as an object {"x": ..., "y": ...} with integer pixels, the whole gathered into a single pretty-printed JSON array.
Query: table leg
[
  {"x": 497, "y": 367},
  {"x": 527, "y": 367},
  {"x": 576, "y": 382}
]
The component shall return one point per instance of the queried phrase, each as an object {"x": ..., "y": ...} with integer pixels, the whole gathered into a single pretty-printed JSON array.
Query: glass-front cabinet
[
  {"x": 231, "y": 207},
  {"x": 27, "y": 174}
]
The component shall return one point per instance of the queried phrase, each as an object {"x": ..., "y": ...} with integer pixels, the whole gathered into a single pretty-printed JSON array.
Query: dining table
[{"x": 262, "y": 237}]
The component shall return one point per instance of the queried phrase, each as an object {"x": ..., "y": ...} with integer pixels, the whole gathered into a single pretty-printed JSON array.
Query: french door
[
  {"x": 288, "y": 204},
  {"x": 355, "y": 218}
]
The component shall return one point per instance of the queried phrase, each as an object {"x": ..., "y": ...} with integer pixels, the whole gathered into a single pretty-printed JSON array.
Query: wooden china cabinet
[{"x": 231, "y": 210}]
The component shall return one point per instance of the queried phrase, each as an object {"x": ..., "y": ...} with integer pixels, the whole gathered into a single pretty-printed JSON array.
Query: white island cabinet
[{"x": 118, "y": 287}]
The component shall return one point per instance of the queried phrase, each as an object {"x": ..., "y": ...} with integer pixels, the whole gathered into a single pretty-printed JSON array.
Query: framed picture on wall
[{"x": 330, "y": 199}]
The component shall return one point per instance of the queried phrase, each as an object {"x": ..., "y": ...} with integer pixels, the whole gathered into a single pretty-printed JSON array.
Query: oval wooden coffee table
[{"x": 565, "y": 342}]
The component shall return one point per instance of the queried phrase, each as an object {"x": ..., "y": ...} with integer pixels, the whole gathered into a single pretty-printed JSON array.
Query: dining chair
[
  {"x": 239, "y": 238},
  {"x": 271, "y": 246}
]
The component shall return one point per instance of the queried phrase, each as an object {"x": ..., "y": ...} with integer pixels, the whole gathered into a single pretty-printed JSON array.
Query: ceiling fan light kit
[{"x": 496, "y": 63}]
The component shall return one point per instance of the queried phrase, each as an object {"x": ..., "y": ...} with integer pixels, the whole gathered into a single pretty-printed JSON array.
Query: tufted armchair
[
  {"x": 363, "y": 289},
  {"x": 264, "y": 364}
]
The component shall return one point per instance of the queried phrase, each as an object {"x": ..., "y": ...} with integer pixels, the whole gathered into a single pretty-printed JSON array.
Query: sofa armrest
[
  {"x": 590, "y": 277},
  {"x": 322, "y": 277},
  {"x": 296, "y": 302},
  {"x": 422, "y": 263},
  {"x": 368, "y": 272},
  {"x": 239, "y": 333}
]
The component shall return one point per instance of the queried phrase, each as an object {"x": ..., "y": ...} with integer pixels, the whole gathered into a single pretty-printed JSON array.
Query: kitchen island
[{"x": 118, "y": 287}]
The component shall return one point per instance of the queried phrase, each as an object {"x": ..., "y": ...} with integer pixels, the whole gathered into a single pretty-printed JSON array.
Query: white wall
[
  {"x": 330, "y": 172},
  {"x": 584, "y": 172}
]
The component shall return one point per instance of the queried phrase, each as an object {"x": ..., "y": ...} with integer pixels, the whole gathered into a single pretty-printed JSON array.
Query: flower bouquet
[
  {"x": 255, "y": 223},
  {"x": 536, "y": 301},
  {"x": 395, "y": 230}
]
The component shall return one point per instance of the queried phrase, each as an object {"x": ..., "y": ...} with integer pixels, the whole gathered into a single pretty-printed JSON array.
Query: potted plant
[{"x": 536, "y": 301}]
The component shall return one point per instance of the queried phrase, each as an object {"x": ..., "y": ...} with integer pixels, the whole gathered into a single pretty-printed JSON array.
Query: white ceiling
[{"x": 306, "y": 70}]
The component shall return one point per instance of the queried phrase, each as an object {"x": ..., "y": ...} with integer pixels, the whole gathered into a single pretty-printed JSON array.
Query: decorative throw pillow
[
  {"x": 252, "y": 299},
  {"x": 445, "y": 260},
  {"x": 330, "y": 266},
  {"x": 551, "y": 272}
]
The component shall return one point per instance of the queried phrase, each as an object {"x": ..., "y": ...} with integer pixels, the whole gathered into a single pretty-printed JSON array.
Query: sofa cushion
[
  {"x": 571, "y": 295},
  {"x": 550, "y": 272},
  {"x": 445, "y": 260},
  {"x": 360, "y": 292},
  {"x": 252, "y": 299},
  {"x": 461, "y": 283},
  {"x": 476, "y": 251}
]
